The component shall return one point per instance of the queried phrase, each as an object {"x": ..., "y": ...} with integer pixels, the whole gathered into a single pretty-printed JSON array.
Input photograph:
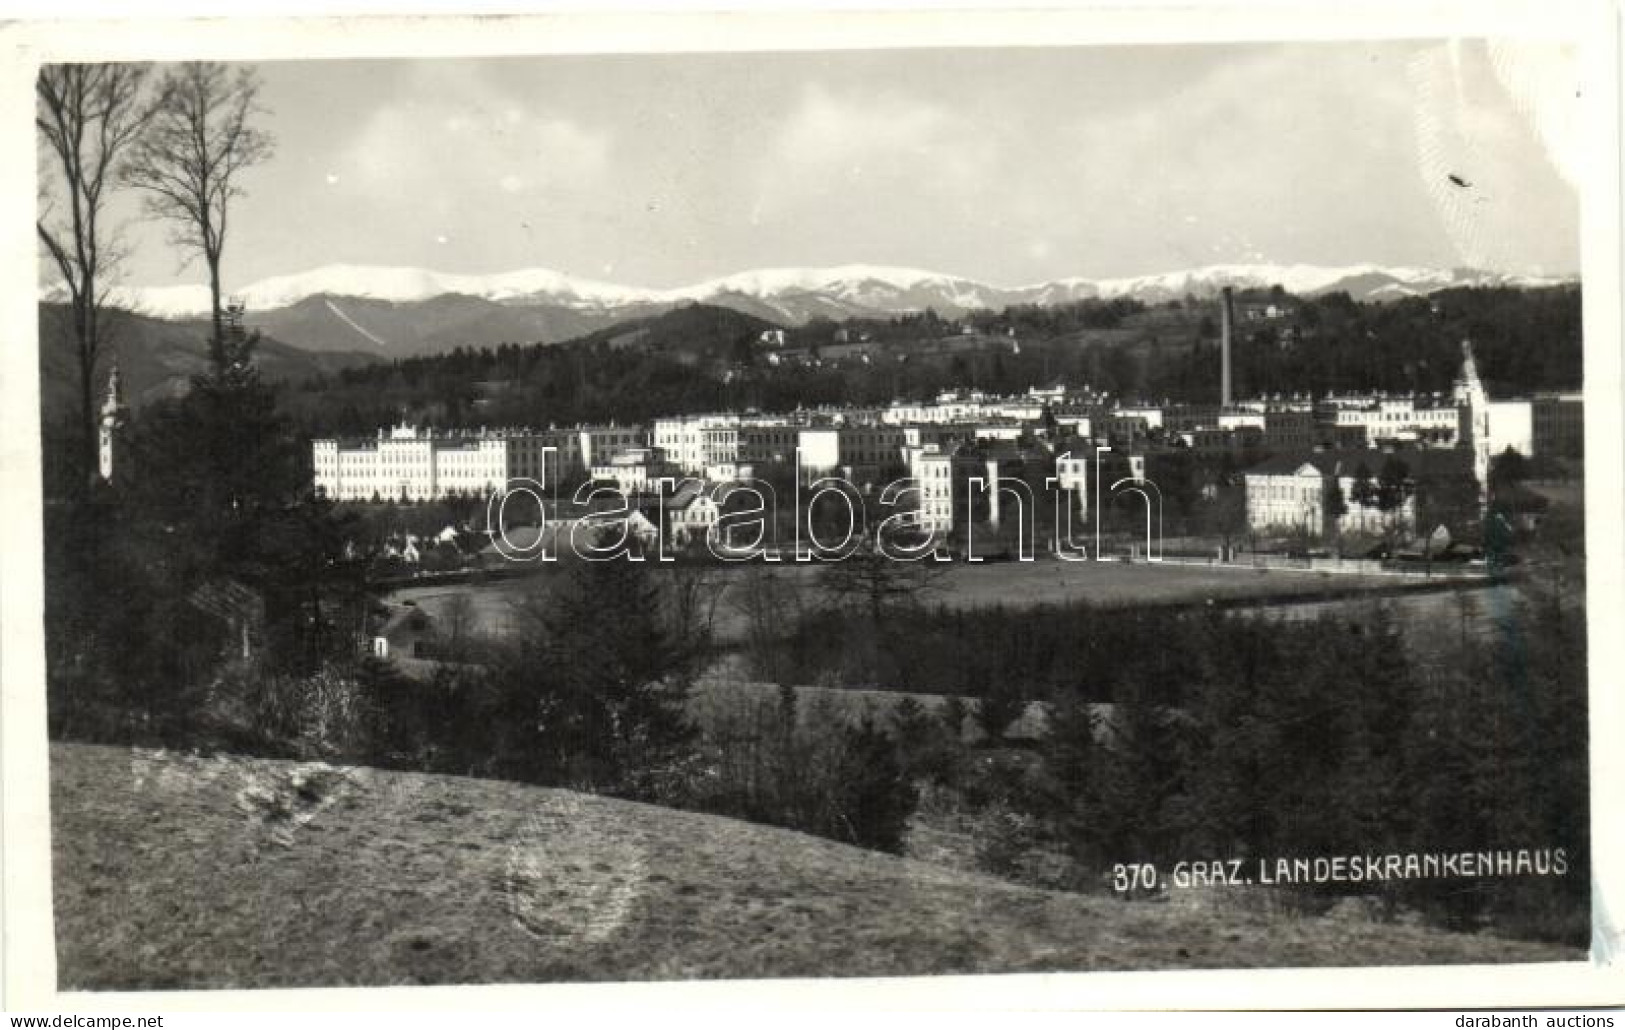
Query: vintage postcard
[{"x": 829, "y": 497}]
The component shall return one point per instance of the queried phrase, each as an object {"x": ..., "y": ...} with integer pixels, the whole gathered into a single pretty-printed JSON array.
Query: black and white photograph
[{"x": 722, "y": 512}]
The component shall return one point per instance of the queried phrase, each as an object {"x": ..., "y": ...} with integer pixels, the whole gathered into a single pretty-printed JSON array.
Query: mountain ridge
[
  {"x": 396, "y": 312},
  {"x": 887, "y": 288},
  {"x": 158, "y": 359}
]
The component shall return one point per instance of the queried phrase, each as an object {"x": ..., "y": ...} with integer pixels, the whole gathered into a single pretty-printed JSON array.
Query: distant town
[{"x": 1344, "y": 467}]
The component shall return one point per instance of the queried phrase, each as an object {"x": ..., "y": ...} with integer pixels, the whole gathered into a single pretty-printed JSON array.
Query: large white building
[
  {"x": 691, "y": 442},
  {"x": 959, "y": 407},
  {"x": 1295, "y": 495},
  {"x": 413, "y": 465},
  {"x": 1303, "y": 493},
  {"x": 1424, "y": 421},
  {"x": 416, "y": 464},
  {"x": 711, "y": 445}
]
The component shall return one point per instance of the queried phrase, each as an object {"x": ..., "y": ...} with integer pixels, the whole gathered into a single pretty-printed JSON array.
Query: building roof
[
  {"x": 228, "y": 599},
  {"x": 1430, "y": 462},
  {"x": 515, "y": 539},
  {"x": 687, "y": 492}
]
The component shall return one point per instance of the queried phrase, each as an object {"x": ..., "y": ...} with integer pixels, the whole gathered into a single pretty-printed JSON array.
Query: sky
[{"x": 1010, "y": 166}]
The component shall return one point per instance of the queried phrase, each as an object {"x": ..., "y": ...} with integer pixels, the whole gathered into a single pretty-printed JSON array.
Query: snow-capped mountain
[
  {"x": 1360, "y": 281},
  {"x": 869, "y": 287},
  {"x": 414, "y": 310},
  {"x": 395, "y": 285},
  {"x": 874, "y": 287}
]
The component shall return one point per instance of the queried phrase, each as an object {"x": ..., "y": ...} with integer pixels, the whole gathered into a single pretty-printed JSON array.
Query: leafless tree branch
[
  {"x": 188, "y": 162},
  {"x": 87, "y": 116}
]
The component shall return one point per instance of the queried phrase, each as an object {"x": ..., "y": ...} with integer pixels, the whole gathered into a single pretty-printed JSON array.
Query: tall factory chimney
[{"x": 1227, "y": 316}]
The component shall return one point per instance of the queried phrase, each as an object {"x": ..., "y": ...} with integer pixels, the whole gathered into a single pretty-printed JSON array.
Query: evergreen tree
[
  {"x": 953, "y": 714},
  {"x": 924, "y": 748},
  {"x": 1000, "y": 703},
  {"x": 610, "y": 678},
  {"x": 878, "y": 794}
]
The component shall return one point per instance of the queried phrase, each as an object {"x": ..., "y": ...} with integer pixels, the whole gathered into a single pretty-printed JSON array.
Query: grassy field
[
  {"x": 177, "y": 871},
  {"x": 1045, "y": 581}
]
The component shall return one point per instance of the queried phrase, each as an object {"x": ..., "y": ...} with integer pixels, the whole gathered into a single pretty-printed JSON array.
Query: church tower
[
  {"x": 1474, "y": 405},
  {"x": 113, "y": 417}
]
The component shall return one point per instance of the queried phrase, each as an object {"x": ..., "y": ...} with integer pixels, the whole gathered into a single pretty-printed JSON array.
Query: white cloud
[
  {"x": 472, "y": 140},
  {"x": 569, "y": 154},
  {"x": 1275, "y": 147},
  {"x": 888, "y": 150},
  {"x": 829, "y": 130}
]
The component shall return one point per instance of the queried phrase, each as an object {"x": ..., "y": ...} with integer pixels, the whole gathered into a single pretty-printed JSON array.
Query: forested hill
[
  {"x": 692, "y": 333},
  {"x": 1524, "y": 340},
  {"x": 158, "y": 358},
  {"x": 676, "y": 361},
  {"x": 702, "y": 357}
]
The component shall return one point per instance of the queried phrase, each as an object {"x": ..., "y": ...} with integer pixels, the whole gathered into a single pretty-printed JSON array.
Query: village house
[{"x": 691, "y": 512}]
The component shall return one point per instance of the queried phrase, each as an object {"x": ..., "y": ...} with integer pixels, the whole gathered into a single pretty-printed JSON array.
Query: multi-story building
[
  {"x": 1072, "y": 479},
  {"x": 955, "y": 406},
  {"x": 1294, "y": 494},
  {"x": 1303, "y": 493},
  {"x": 1182, "y": 418},
  {"x": 411, "y": 464},
  {"x": 767, "y": 443},
  {"x": 948, "y": 407},
  {"x": 1290, "y": 429},
  {"x": 1226, "y": 440},
  {"x": 582, "y": 447},
  {"x": 932, "y": 470},
  {"x": 1074, "y": 423},
  {"x": 635, "y": 470},
  {"x": 1148, "y": 416},
  {"x": 689, "y": 441},
  {"x": 1557, "y": 424},
  {"x": 1423, "y": 421},
  {"x": 871, "y": 448},
  {"x": 1512, "y": 427},
  {"x": 1006, "y": 429},
  {"x": 416, "y": 464}
]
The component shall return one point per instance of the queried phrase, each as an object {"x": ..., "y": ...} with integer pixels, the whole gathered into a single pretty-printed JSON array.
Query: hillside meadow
[{"x": 176, "y": 871}]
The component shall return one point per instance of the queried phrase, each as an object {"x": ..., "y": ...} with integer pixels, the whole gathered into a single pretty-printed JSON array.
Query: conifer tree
[{"x": 612, "y": 677}]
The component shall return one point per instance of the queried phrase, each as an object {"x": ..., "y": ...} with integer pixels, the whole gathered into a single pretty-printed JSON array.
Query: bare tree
[
  {"x": 87, "y": 116},
  {"x": 767, "y": 605},
  {"x": 458, "y": 624},
  {"x": 878, "y": 581},
  {"x": 189, "y": 161}
]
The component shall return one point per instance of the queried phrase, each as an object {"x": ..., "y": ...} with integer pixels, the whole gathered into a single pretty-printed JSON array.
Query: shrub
[
  {"x": 772, "y": 760},
  {"x": 316, "y": 716}
]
